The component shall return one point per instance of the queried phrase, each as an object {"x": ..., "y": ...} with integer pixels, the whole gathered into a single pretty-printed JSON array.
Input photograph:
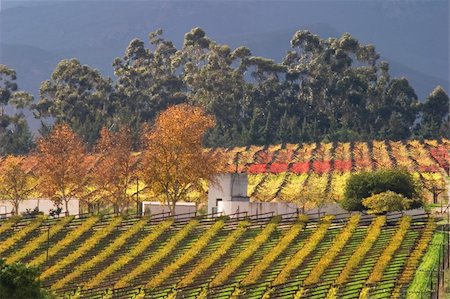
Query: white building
[
  {"x": 44, "y": 205},
  {"x": 156, "y": 207},
  {"x": 229, "y": 196}
]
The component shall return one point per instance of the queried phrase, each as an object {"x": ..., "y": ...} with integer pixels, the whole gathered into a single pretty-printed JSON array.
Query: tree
[
  {"x": 115, "y": 170},
  {"x": 365, "y": 184},
  {"x": 19, "y": 281},
  {"x": 77, "y": 95},
  {"x": 147, "y": 82},
  {"x": 174, "y": 160},
  {"x": 15, "y": 136},
  {"x": 17, "y": 181},
  {"x": 384, "y": 202},
  {"x": 435, "y": 115},
  {"x": 62, "y": 166},
  {"x": 214, "y": 78},
  {"x": 434, "y": 183}
]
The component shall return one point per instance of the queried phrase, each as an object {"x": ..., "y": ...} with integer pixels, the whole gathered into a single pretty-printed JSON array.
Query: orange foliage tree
[
  {"x": 17, "y": 181},
  {"x": 174, "y": 160},
  {"x": 61, "y": 166},
  {"x": 115, "y": 171}
]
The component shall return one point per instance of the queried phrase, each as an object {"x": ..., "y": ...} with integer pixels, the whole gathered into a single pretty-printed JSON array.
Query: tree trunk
[
  {"x": 66, "y": 202},
  {"x": 16, "y": 208}
]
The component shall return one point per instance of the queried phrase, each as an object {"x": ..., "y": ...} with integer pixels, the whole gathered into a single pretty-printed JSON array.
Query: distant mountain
[{"x": 412, "y": 35}]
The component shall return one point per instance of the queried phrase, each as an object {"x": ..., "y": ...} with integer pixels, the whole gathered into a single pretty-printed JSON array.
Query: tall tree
[
  {"x": 115, "y": 172},
  {"x": 17, "y": 180},
  {"x": 214, "y": 77},
  {"x": 147, "y": 81},
  {"x": 435, "y": 115},
  {"x": 62, "y": 166},
  {"x": 15, "y": 136},
  {"x": 77, "y": 95},
  {"x": 174, "y": 160}
]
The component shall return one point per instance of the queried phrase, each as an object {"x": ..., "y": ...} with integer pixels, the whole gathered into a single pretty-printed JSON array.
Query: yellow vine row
[
  {"x": 8, "y": 224},
  {"x": 326, "y": 259},
  {"x": 215, "y": 256},
  {"x": 85, "y": 247},
  {"x": 338, "y": 243},
  {"x": 373, "y": 233},
  {"x": 34, "y": 244},
  {"x": 386, "y": 255},
  {"x": 110, "y": 249},
  {"x": 187, "y": 256},
  {"x": 309, "y": 245},
  {"x": 414, "y": 259},
  {"x": 68, "y": 239},
  {"x": 288, "y": 238},
  {"x": 21, "y": 234},
  {"x": 134, "y": 252},
  {"x": 254, "y": 245},
  {"x": 160, "y": 254}
]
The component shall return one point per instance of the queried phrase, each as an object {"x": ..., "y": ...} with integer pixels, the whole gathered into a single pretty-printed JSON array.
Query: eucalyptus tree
[
  {"x": 214, "y": 78},
  {"x": 15, "y": 135},
  {"x": 348, "y": 88},
  {"x": 78, "y": 95},
  {"x": 147, "y": 81},
  {"x": 435, "y": 115}
]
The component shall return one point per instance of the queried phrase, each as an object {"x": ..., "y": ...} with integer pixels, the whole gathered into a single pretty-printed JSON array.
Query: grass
[{"x": 420, "y": 285}]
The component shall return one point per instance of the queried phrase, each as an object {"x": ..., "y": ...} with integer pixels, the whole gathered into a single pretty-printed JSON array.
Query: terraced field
[{"x": 280, "y": 257}]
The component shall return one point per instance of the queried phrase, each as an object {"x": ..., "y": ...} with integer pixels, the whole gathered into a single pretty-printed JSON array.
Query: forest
[{"x": 324, "y": 90}]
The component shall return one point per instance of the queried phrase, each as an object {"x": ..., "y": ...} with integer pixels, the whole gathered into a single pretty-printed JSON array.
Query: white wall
[
  {"x": 156, "y": 207},
  {"x": 229, "y": 186},
  {"x": 44, "y": 205}
]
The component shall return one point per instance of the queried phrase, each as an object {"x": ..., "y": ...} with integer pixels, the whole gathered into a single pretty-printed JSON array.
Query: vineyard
[
  {"x": 342, "y": 256},
  {"x": 282, "y": 171}
]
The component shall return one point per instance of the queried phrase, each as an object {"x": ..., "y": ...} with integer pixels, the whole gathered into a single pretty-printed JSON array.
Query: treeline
[{"x": 334, "y": 89}]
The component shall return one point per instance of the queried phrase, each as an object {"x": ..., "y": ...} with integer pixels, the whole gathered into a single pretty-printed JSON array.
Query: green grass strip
[
  {"x": 414, "y": 258},
  {"x": 254, "y": 245},
  {"x": 420, "y": 284},
  {"x": 109, "y": 250},
  {"x": 187, "y": 256},
  {"x": 84, "y": 248},
  {"x": 309, "y": 245},
  {"x": 288, "y": 238},
  {"x": 34, "y": 244},
  {"x": 386, "y": 256},
  {"x": 358, "y": 255},
  {"x": 128, "y": 257},
  {"x": 159, "y": 255},
  {"x": 215, "y": 256},
  {"x": 338, "y": 244}
]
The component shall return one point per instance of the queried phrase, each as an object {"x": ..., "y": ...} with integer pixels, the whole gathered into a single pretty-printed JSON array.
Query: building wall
[
  {"x": 230, "y": 186},
  {"x": 156, "y": 207},
  {"x": 44, "y": 205}
]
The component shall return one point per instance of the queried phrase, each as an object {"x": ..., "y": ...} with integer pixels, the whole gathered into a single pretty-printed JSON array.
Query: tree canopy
[
  {"x": 366, "y": 184},
  {"x": 174, "y": 161},
  {"x": 19, "y": 281},
  {"x": 323, "y": 89}
]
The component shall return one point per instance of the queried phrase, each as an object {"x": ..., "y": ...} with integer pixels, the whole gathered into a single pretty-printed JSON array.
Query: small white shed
[{"x": 231, "y": 189}]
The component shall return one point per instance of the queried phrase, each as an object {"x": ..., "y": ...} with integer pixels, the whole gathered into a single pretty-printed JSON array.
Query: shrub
[
  {"x": 20, "y": 281},
  {"x": 366, "y": 184},
  {"x": 384, "y": 202}
]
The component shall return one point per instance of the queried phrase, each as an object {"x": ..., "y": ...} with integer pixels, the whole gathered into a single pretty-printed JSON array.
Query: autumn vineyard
[
  {"x": 274, "y": 171},
  {"x": 258, "y": 256}
]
